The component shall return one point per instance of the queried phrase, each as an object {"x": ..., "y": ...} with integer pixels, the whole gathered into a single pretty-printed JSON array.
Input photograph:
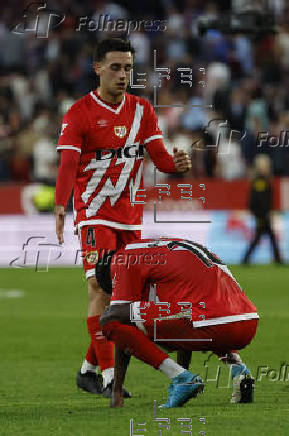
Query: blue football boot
[{"x": 183, "y": 387}]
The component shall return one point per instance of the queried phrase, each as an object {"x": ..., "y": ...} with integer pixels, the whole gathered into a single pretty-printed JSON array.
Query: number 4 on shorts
[{"x": 90, "y": 237}]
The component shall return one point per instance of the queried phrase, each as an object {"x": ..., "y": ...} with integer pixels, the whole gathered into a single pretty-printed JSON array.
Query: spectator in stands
[{"x": 55, "y": 71}]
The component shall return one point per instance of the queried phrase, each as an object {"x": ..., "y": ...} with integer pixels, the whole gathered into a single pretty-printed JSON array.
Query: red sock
[
  {"x": 90, "y": 355},
  {"x": 130, "y": 338},
  {"x": 103, "y": 349}
]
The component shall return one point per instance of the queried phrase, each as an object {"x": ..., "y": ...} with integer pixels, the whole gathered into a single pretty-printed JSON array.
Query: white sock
[
  {"x": 231, "y": 359},
  {"x": 108, "y": 376},
  {"x": 170, "y": 368},
  {"x": 86, "y": 366}
]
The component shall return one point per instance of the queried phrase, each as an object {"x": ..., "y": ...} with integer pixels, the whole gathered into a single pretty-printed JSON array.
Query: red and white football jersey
[
  {"x": 179, "y": 271},
  {"x": 111, "y": 141}
]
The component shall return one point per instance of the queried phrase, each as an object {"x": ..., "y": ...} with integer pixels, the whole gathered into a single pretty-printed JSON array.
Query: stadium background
[{"x": 42, "y": 322}]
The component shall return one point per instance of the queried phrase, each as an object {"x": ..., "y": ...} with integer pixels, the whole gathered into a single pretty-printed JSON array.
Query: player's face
[{"x": 114, "y": 72}]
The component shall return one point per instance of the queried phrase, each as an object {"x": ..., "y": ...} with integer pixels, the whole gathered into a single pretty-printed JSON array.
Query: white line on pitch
[{"x": 11, "y": 293}]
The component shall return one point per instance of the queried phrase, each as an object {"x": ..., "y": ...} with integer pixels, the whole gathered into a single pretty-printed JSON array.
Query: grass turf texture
[{"x": 43, "y": 340}]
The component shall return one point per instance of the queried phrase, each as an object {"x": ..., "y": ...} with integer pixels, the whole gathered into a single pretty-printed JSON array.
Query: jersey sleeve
[
  {"x": 127, "y": 283},
  {"x": 66, "y": 176},
  {"x": 153, "y": 141},
  {"x": 151, "y": 128},
  {"x": 72, "y": 130},
  {"x": 160, "y": 156}
]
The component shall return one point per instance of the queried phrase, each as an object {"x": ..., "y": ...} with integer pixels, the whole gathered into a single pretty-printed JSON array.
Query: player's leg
[
  {"x": 87, "y": 378},
  {"x": 104, "y": 350},
  {"x": 95, "y": 239},
  {"x": 185, "y": 385},
  {"x": 184, "y": 358},
  {"x": 240, "y": 335},
  {"x": 254, "y": 242},
  {"x": 273, "y": 239},
  {"x": 242, "y": 380},
  {"x": 237, "y": 335},
  {"x": 123, "y": 237},
  {"x": 90, "y": 363}
]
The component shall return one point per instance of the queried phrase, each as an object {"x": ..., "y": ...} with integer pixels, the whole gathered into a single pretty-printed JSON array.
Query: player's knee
[
  {"x": 110, "y": 314},
  {"x": 105, "y": 317},
  {"x": 93, "y": 287}
]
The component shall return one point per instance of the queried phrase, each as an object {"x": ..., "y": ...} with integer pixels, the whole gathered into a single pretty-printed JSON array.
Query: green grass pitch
[{"x": 43, "y": 341}]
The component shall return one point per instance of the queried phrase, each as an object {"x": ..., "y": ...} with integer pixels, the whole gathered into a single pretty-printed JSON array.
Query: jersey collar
[{"x": 101, "y": 103}]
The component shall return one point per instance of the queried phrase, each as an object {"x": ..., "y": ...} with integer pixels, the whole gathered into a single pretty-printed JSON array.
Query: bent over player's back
[{"x": 181, "y": 271}]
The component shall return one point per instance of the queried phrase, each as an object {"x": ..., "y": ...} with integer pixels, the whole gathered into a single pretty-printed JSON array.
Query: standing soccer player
[{"x": 102, "y": 143}]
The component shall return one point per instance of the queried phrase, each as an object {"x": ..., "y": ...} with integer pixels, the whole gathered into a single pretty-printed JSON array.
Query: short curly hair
[{"x": 112, "y": 44}]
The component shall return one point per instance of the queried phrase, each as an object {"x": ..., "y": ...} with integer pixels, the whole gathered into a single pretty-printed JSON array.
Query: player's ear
[{"x": 97, "y": 66}]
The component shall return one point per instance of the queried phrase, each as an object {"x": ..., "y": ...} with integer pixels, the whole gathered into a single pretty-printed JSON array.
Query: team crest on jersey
[
  {"x": 120, "y": 131},
  {"x": 91, "y": 257}
]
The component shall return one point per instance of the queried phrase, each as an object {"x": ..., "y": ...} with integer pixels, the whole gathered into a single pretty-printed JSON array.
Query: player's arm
[
  {"x": 66, "y": 176},
  {"x": 121, "y": 361},
  {"x": 121, "y": 313},
  {"x": 166, "y": 163},
  {"x": 69, "y": 144}
]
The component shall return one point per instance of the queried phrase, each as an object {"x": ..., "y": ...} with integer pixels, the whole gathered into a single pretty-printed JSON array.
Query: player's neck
[{"x": 107, "y": 98}]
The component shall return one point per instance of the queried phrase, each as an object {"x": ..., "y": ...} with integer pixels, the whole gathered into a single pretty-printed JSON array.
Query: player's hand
[
  {"x": 116, "y": 399},
  {"x": 60, "y": 217},
  {"x": 182, "y": 160}
]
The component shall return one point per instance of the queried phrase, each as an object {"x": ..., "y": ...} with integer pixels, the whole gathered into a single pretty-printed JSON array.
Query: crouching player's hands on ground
[
  {"x": 60, "y": 217},
  {"x": 182, "y": 160}
]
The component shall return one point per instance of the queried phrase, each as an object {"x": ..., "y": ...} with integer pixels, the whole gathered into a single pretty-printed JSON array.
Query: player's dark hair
[
  {"x": 112, "y": 44},
  {"x": 102, "y": 272}
]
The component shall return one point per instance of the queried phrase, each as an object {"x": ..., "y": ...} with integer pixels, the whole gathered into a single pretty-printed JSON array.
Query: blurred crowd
[{"x": 217, "y": 93}]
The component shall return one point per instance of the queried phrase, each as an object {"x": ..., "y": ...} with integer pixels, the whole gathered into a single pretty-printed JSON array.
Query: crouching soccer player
[{"x": 205, "y": 310}]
